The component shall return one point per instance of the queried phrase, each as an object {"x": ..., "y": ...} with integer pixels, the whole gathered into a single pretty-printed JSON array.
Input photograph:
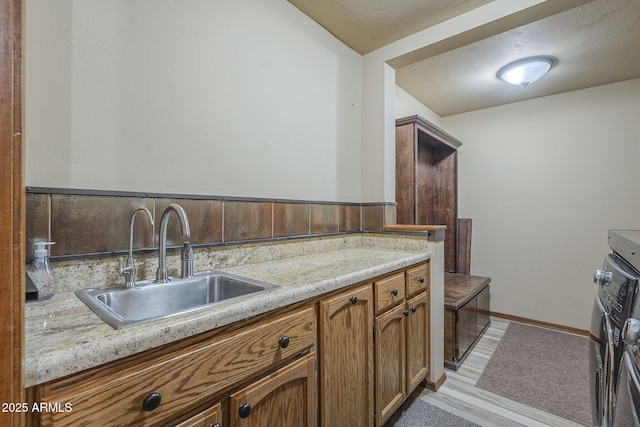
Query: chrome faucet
[
  {"x": 162, "y": 276},
  {"x": 186, "y": 255},
  {"x": 129, "y": 272}
]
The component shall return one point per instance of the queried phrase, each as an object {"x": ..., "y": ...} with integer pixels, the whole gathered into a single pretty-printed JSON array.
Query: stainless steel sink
[{"x": 123, "y": 307}]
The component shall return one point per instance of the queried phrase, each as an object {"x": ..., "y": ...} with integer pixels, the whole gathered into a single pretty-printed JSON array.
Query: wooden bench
[
  {"x": 466, "y": 317},
  {"x": 466, "y": 297}
]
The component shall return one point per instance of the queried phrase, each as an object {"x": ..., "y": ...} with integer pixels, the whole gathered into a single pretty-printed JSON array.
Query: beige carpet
[{"x": 543, "y": 368}]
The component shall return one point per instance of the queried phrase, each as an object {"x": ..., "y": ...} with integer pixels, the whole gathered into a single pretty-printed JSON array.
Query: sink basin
[{"x": 147, "y": 301}]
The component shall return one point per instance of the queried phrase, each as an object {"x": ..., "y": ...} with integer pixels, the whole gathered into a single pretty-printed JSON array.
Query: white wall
[
  {"x": 407, "y": 105},
  {"x": 543, "y": 181},
  {"x": 242, "y": 98}
]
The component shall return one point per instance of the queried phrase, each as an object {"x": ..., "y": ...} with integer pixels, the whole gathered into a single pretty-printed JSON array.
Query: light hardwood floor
[{"x": 459, "y": 395}]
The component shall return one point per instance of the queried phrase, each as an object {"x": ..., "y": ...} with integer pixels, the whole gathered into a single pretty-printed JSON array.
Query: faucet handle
[
  {"x": 121, "y": 268},
  {"x": 128, "y": 271},
  {"x": 186, "y": 255}
]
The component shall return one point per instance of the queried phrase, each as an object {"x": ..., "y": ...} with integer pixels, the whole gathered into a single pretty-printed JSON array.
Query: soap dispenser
[{"x": 41, "y": 271}]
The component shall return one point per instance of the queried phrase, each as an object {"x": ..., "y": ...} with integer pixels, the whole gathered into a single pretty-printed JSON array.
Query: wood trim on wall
[
  {"x": 541, "y": 323},
  {"x": 434, "y": 386},
  {"x": 12, "y": 217}
]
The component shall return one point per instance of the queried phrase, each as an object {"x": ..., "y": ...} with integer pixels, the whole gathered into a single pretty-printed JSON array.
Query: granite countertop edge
[{"x": 63, "y": 336}]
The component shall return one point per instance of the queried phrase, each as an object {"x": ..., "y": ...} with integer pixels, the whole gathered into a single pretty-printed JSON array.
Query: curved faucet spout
[
  {"x": 133, "y": 217},
  {"x": 129, "y": 272},
  {"x": 162, "y": 275}
]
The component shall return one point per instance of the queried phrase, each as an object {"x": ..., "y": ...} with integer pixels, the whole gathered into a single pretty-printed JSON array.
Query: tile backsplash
[{"x": 96, "y": 223}]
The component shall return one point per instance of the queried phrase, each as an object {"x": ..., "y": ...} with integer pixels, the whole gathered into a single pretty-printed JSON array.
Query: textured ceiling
[
  {"x": 595, "y": 44},
  {"x": 366, "y": 25}
]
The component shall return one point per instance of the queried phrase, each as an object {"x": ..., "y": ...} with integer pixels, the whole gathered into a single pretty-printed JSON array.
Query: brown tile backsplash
[
  {"x": 37, "y": 218},
  {"x": 324, "y": 219},
  {"x": 290, "y": 219},
  {"x": 204, "y": 216},
  {"x": 390, "y": 214},
  {"x": 372, "y": 217},
  {"x": 86, "y": 224},
  {"x": 247, "y": 220},
  {"x": 95, "y": 222},
  {"x": 350, "y": 218}
]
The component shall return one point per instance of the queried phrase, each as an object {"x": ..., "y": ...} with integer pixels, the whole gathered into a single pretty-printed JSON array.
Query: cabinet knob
[
  {"x": 406, "y": 313},
  {"x": 353, "y": 299},
  {"x": 151, "y": 402},
  {"x": 216, "y": 425},
  {"x": 413, "y": 309},
  {"x": 394, "y": 292},
  {"x": 284, "y": 341},
  {"x": 245, "y": 410},
  {"x": 421, "y": 280}
]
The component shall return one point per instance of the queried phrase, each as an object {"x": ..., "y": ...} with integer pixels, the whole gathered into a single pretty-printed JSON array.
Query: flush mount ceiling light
[{"x": 526, "y": 71}]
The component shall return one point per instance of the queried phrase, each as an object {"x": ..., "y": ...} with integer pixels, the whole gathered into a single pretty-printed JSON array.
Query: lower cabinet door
[
  {"x": 390, "y": 362},
  {"x": 345, "y": 371},
  {"x": 211, "y": 417},
  {"x": 417, "y": 340},
  {"x": 285, "y": 398}
]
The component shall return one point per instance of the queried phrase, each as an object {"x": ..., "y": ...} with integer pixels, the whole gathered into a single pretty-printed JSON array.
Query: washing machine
[{"x": 617, "y": 282}]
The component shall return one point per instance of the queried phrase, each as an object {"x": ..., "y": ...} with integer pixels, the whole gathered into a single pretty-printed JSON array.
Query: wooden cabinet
[
  {"x": 418, "y": 348},
  {"x": 401, "y": 338},
  {"x": 426, "y": 179},
  {"x": 346, "y": 358},
  {"x": 466, "y": 315},
  {"x": 263, "y": 372},
  {"x": 391, "y": 362},
  {"x": 389, "y": 292},
  {"x": 211, "y": 417},
  {"x": 165, "y": 387},
  {"x": 417, "y": 279},
  {"x": 286, "y": 398}
]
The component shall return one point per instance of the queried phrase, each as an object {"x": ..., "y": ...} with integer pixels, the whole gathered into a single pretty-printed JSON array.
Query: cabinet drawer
[
  {"x": 389, "y": 292},
  {"x": 209, "y": 418},
  {"x": 189, "y": 378},
  {"x": 417, "y": 279}
]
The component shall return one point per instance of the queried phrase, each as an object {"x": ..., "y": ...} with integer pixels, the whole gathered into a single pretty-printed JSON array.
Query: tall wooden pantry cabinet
[{"x": 427, "y": 179}]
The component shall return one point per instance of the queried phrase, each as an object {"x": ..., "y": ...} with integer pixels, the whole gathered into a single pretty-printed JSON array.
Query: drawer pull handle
[
  {"x": 151, "y": 402},
  {"x": 406, "y": 313},
  {"x": 245, "y": 410},
  {"x": 421, "y": 280},
  {"x": 353, "y": 299},
  {"x": 284, "y": 342},
  {"x": 394, "y": 292}
]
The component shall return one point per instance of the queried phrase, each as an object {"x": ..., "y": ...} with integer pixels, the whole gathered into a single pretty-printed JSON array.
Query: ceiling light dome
[{"x": 526, "y": 71}]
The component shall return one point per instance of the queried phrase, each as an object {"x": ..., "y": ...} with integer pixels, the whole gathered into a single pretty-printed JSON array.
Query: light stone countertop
[{"x": 63, "y": 336}]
